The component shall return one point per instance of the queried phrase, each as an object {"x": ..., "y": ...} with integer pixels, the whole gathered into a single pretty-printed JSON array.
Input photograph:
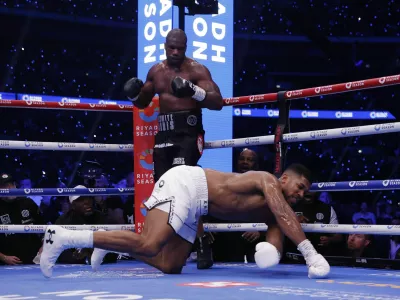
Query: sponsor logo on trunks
[
  {"x": 192, "y": 120},
  {"x": 218, "y": 284},
  {"x": 388, "y": 79},
  {"x": 358, "y": 183},
  {"x": 178, "y": 161},
  {"x": 163, "y": 145},
  {"x": 256, "y": 98},
  {"x": 355, "y": 84},
  {"x": 33, "y": 144},
  {"x": 296, "y": 93},
  {"x": 318, "y": 134},
  {"x": 66, "y": 145},
  {"x": 392, "y": 182},
  {"x": 252, "y": 141},
  {"x": 200, "y": 144},
  {"x": 323, "y": 89},
  {"x": 144, "y": 178},
  {"x": 387, "y": 126},
  {"x": 161, "y": 184},
  {"x": 291, "y": 137},
  {"x": 228, "y": 143}
]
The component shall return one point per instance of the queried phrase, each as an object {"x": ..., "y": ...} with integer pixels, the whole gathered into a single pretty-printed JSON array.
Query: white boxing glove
[
  {"x": 318, "y": 267},
  {"x": 266, "y": 255}
]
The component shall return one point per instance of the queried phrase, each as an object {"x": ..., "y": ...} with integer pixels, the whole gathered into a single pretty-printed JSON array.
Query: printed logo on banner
[
  {"x": 143, "y": 208},
  {"x": 291, "y": 137},
  {"x": 149, "y": 114},
  {"x": 228, "y": 143},
  {"x": 304, "y": 114},
  {"x": 146, "y": 159},
  {"x": 27, "y": 228},
  {"x": 27, "y": 191}
]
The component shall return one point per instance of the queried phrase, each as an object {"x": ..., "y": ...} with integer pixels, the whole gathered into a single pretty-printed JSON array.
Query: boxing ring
[{"x": 135, "y": 280}]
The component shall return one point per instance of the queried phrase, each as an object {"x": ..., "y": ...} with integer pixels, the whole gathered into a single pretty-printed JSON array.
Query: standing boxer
[{"x": 184, "y": 87}]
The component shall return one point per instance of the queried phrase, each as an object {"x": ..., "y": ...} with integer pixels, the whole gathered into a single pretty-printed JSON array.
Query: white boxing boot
[{"x": 56, "y": 240}]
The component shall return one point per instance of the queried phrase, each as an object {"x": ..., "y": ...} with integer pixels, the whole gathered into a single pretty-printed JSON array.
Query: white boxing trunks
[{"x": 181, "y": 192}]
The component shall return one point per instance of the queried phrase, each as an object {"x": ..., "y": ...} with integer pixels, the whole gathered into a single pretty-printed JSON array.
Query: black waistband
[{"x": 180, "y": 121}]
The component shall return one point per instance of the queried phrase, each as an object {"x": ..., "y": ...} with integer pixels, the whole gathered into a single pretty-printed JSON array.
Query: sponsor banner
[
  {"x": 315, "y": 114},
  {"x": 64, "y": 101},
  {"x": 42, "y": 228},
  {"x": 68, "y": 191},
  {"x": 7, "y": 96},
  {"x": 145, "y": 128},
  {"x": 365, "y": 185}
]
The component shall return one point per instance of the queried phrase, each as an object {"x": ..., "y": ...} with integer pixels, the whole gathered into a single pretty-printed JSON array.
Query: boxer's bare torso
[
  {"x": 231, "y": 201},
  {"x": 161, "y": 75}
]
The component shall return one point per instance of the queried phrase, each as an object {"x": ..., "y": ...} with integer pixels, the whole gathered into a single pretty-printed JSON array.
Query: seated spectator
[
  {"x": 365, "y": 214},
  {"x": 311, "y": 210},
  {"x": 360, "y": 245},
  {"x": 26, "y": 183},
  {"x": 82, "y": 212},
  {"x": 394, "y": 248},
  {"x": 18, "y": 249},
  {"x": 384, "y": 213}
]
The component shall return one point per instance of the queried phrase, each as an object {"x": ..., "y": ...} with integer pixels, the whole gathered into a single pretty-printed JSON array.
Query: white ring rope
[
  {"x": 323, "y": 134},
  {"x": 228, "y": 227},
  {"x": 61, "y": 146}
]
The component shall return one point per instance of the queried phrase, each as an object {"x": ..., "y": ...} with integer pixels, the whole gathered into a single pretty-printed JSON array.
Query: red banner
[{"x": 145, "y": 127}]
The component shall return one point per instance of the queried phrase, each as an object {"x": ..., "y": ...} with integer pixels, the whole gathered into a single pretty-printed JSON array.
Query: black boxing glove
[
  {"x": 132, "y": 88},
  {"x": 184, "y": 88}
]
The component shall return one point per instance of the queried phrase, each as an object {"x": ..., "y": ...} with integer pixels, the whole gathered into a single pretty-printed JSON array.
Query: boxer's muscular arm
[
  {"x": 213, "y": 100},
  {"x": 275, "y": 236},
  {"x": 147, "y": 92}
]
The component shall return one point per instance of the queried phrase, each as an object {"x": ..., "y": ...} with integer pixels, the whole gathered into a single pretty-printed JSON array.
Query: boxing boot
[
  {"x": 204, "y": 253},
  {"x": 56, "y": 240}
]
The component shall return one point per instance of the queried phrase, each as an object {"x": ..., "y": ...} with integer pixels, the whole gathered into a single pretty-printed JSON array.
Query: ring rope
[
  {"x": 67, "y": 192},
  {"x": 231, "y": 227},
  {"x": 242, "y": 100},
  {"x": 322, "y": 134},
  {"x": 62, "y": 146},
  {"x": 352, "y": 186}
]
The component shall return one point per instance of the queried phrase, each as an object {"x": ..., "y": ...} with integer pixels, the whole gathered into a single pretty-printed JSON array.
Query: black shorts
[{"x": 179, "y": 141}]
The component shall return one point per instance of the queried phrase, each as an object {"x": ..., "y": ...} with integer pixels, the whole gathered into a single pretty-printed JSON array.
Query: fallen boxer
[{"x": 181, "y": 196}]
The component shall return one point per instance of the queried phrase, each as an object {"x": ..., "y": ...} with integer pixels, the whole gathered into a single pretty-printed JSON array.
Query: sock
[
  {"x": 307, "y": 249},
  {"x": 80, "y": 238}
]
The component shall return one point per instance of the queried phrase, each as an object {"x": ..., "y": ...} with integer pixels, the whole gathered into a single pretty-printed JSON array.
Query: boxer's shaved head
[{"x": 175, "y": 47}]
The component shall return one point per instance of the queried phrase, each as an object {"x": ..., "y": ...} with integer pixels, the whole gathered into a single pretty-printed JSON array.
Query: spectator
[
  {"x": 365, "y": 214},
  {"x": 18, "y": 248},
  {"x": 384, "y": 213},
  {"x": 394, "y": 248},
  {"x": 313, "y": 211},
  {"x": 360, "y": 245},
  {"x": 82, "y": 212}
]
